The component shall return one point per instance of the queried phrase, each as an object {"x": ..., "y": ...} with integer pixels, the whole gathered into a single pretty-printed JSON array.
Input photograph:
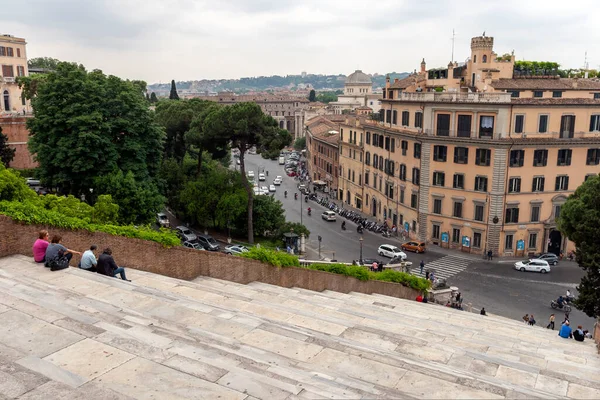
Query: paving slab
[
  {"x": 16, "y": 379},
  {"x": 278, "y": 344},
  {"x": 423, "y": 386}
]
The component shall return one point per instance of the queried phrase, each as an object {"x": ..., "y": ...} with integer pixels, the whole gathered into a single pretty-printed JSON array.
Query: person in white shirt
[{"x": 88, "y": 259}]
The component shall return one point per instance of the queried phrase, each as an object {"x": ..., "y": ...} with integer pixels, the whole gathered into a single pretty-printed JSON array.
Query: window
[
  {"x": 564, "y": 157},
  {"x": 455, "y": 235},
  {"x": 476, "y": 240},
  {"x": 443, "y": 125},
  {"x": 535, "y": 214},
  {"x": 366, "y": 178},
  {"x": 388, "y": 116},
  {"x": 417, "y": 150},
  {"x": 538, "y": 184},
  {"x": 438, "y": 178},
  {"x": 595, "y": 123},
  {"x": 475, "y": 59},
  {"x": 404, "y": 147},
  {"x": 567, "y": 126},
  {"x": 596, "y": 96},
  {"x": 402, "y": 196},
  {"x": 436, "y": 232},
  {"x": 478, "y": 212},
  {"x": 557, "y": 93},
  {"x": 405, "y": 118},
  {"x": 413, "y": 200},
  {"x": 2, "y": 51},
  {"x": 457, "y": 209},
  {"x": 395, "y": 117},
  {"x": 368, "y": 137},
  {"x": 439, "y": 153},
  {"x": 437, "y": 206},
  {"x": 387, "y": 142},
  {"x": 380, "y": 163},
  {"x": 514, "y": 185},
  {"x": 402, "y": 174},
  {"x": 389, "y": 190},
  {"x": 481, "y": 183},
  {"x": 484, "y": 58},
  {"x": 512, "y": 215},
  {"x": 508, "y": 241},
  {"x": 515, "y": 93},
  {"x": 483, "y": 157},
  {"x": 461, "y": 155},
  {"x": 589, "y": 176},
  {"x": 464, "y": 126},
  {"x": 486, "y": 126},
  {"x": 543, "y": 124},
  {"x": 540, "y": 158},
  {"x": 459, "y": 181},
  {"x": 368, "y": 158},
  {"x": 519, "y": 122},
  {"x": 419, "y": 119},
  {"x": 18, "y": 52},
  {"x": 9, "y": 52},
  {"x": 375, "y": 160},
  {"x": 593, "y": 157},
  {"x": 7, "y": 71},
  {"x": 416, "y": 176},
  {"x": 538, "y": 93},
  {"x": 562, "y": 182},
  {"x": 516, "y": 158},
  {"x": 375, "y": 139},
  {"x": 557, "y": 208},
  {"x": 20, "y": 70},
  {"x": 532, "y": 243}
]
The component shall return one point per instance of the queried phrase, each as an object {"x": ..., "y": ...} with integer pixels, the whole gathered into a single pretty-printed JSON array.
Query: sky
[{"x": 160, "y": 40}]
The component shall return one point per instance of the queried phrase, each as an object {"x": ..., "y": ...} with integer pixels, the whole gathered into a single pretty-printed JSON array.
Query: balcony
[
  {"x": 448, "y": 97},
  {"x": 8, "y": 79}
]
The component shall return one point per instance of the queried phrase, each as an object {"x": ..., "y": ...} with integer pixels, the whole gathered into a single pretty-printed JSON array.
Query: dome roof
[{"x": 358, "y": 78}]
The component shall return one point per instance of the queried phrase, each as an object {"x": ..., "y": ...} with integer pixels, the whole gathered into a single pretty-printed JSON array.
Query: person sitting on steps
[
  {"x": 54, "y": 248},
  {"x": 107, "y": 265},
  {"x": 88, "y": 259},
  {"x": 40, "y": 246}
]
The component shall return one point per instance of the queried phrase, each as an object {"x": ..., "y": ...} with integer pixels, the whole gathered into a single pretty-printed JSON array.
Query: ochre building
[{"x": 473, "y": 156}]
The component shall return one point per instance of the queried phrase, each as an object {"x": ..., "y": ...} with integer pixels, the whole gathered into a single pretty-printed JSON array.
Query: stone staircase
[{"x": 74, "y": 334}]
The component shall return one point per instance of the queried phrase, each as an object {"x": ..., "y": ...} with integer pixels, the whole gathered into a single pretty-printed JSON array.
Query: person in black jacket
[{"x": 107, "y": 265}]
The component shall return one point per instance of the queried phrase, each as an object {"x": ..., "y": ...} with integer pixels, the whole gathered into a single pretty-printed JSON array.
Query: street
[{"x": 495, "y": 285}]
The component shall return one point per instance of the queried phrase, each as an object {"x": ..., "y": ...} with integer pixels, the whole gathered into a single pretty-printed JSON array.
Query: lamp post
[
  {"x": 361, "y": 245},
  {"x": 301, "y": 208}
]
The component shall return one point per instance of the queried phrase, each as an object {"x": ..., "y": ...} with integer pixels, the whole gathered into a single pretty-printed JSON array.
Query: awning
[{"x": 319, "y": 183}]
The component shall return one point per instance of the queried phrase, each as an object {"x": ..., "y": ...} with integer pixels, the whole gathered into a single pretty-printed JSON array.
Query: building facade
[
  {"x": 358, "y": 92},
  {"x": 13, "y": 60},
  {"x": 485, "y": 164}
]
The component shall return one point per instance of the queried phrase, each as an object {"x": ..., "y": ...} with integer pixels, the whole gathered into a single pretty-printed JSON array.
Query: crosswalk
[{"x": 444, "y": 267}]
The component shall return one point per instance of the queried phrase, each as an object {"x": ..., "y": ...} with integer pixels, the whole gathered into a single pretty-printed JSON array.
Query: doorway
[
  {"x": 374, "y": 207},
  {"x": 555, "y": 242}
]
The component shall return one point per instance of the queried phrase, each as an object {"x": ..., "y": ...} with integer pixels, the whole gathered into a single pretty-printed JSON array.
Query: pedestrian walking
[
  {"x": 526, "y": 318},
  {"x": 550, "y": 322},
  {"x": 490, "y": 254},
  {"x": 422, "y": 265},
  {"x": 427, "y": 274},
  {"x": 566, "y": 320},
  {"x": 531, "y": 320}
]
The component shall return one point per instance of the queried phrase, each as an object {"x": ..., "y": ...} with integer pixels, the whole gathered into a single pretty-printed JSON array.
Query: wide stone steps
[{"x": 263, "y": 341}]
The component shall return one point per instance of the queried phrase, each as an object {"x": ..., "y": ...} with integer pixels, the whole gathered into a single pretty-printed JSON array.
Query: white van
[{"x": 281, "y": 160}]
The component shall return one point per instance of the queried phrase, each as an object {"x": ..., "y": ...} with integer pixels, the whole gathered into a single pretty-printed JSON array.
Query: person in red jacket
[{"x": 107, "y": 265}]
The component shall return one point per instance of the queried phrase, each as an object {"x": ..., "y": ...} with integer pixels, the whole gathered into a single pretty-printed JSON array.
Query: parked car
[
  {"x": 550, "y": 257},
  {"x": 291, "y": 173},
  {"x": 328, "y": 215},
  {"x": 534, "y": 265},
  {"x": 162, "y": 220},
  {"x": 261, "y": 177},
  {"x": 185, "y": 234},
  {"x": 417, "y": 247},
  {"x": 391, "y": 251},
  {"x": 277, "y": 182},
  {"x": 235, "y": 249},
  {"x": 281, "y": 160},
  {"x": 265, "y": 189},
  {"x": 193, "y": 245},
  {"x": 272, "y": 188},
  {"x": 208, "y": 242}
]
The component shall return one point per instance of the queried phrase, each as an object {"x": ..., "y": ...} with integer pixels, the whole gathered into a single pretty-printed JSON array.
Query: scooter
[
  {"x": 344, "y": 225},
  {"x": 285, "y": 194},
  {"x": 309, "y": 211},
  {"x": 565, "y": 307},
  {"x": 359, "y": 229},
  {"x": 386, "y": 234},
  {"x": 295, "y": 196}
]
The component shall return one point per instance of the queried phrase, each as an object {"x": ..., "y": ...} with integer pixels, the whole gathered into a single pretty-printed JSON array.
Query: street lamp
[
  {"x": 301, "y": 208},
  {"x": 361, "y": 244}
]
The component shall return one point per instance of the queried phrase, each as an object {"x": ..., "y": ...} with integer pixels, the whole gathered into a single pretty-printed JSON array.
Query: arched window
[
  {"x": 281, "y": 124},
  {"x": 475, "y": 59},
  {"x": 484, "y": 58},
  {"x": 289, "y": 126},
  {"x": 6, "y": 101}
]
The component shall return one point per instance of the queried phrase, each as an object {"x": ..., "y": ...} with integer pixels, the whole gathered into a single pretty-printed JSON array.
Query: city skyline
[{"x": 234, "y": 39}]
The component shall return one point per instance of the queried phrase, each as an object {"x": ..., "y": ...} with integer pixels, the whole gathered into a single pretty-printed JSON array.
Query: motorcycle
[
  {"x": 359, "y": 229},
  {"x": 295, "y": 196},
  {"x": 386, "y": 234},
  {"x": 344, "y": 225},
  {"x": 565, "y": 307},
  {"x": 309, "y": 211},
  {"x": 285, "y": 194}
]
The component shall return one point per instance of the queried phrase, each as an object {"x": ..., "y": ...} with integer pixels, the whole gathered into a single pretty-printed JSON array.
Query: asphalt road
[{"x": 496, "y": 285}]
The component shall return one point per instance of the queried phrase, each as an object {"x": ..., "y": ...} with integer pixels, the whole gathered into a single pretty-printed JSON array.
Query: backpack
[{"x": 59, "y": 262}]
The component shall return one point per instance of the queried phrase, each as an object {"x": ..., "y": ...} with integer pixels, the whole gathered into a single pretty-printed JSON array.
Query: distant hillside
[{"x": 263, "y": 83}]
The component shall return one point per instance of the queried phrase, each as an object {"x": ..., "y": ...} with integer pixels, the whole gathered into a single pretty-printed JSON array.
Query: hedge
[
  {"x": 281, "y": 259},
  {"x": 29, "y": 213}
]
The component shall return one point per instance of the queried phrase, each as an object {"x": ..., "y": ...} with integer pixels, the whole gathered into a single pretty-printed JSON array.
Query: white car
[
  {"x": 264, "y": 189},
  {"x": 391, "y": 251},
  {"x": 261, "y": 177},
  {"x": 235, "y": 249},
  {"x": 277, "y": 182},
  {"x": 534, "y": 265},
  {"x": 328, "y": 215},
  {"x": 279, "y": 177},
  {"x": 272, "y": 188}
]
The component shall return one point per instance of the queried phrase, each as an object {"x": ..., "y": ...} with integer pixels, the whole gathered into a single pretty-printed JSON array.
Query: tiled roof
[
  {"x": 408, "y": 81},
  {"x": 546, "y": 84},
  {"x": 555, "y": 101}
]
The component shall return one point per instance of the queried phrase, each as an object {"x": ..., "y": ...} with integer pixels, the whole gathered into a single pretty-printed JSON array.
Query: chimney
[
  {"x": 387, "y": 81},
  {"x": 423, "y": 66},
  {"x": 396, "y": 80}
]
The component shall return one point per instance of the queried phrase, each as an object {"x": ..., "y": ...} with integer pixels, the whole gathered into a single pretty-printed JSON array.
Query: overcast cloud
[{"x": 199, "y": 39}]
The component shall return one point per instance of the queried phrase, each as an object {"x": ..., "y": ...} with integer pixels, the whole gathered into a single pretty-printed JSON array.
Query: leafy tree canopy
[
  {"x": 88, "y": 124},
  {"x": 312, "y": 96},
  {"x": 173, "y": 95},
  {"x": 580, "y": 222},
  {"x": 7, "y": 154},
  {"x": 327, "y": 97},
  {"x": 300, "y": 143},
  {"x": 48, "y": 63}
]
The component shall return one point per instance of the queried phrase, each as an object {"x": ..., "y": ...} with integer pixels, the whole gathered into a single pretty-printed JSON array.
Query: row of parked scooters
[{"x": 362, "y": 222}]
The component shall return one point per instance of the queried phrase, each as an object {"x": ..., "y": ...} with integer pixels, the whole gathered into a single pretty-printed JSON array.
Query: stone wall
[
  {"x": 188, "y": 264},
  {"x": 15, "y": 129}
]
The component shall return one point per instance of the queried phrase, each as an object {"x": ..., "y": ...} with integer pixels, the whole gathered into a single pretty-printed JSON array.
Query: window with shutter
[
  {"x": 562, "y": 182},
  {"x": 595, "y": 123},
  {"x": 405, "y": 118},
  {"x": 516, "y": 158},
  {"x": 461, "y": 155},
  {"x": 543, "y": 124},
  {"x": 395, "y": 117},
  {"x": 540, "y": 158},
  {"x": 538, "y": 184},
  {"x": 593, "y": 157},
  {"x": 564, "y": 157},
  {"x": 417, "y": 150},
  {"x": 519, "y": 123}
]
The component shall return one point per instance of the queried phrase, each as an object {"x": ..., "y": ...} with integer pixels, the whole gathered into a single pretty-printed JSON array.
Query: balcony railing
[{"x": 455, "y": 97}]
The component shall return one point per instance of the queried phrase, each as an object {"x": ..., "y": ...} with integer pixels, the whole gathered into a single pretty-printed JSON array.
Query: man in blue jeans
[{"x": 107, "y": 265}]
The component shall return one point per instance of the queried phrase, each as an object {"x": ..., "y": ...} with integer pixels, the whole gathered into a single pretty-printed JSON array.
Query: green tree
[
  {"x": 7, "y": 154},
  {"x": 244, "y": 126},
  {"x": 327, "y": 97},
  {"x": 138, "y": 201},
  {"x": 300, "y": 143},
  {"x": 268, "y": 214},
  {"x": 295, "y": 227},
  {"x": 13, "y": 187},
  {"x": 86, "y": 125},
  {"x": 580, "y": 221},
  {"x": 173, "y": 94},
  {"x": 47, "y": 63},
  {"x": 312, "y": 95},
  {"x": 198, "y": 141},
  {"x": 153, "y": 98},
  {"x": 148, "y": 97},
  {"x": 105, "y": 211}
]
